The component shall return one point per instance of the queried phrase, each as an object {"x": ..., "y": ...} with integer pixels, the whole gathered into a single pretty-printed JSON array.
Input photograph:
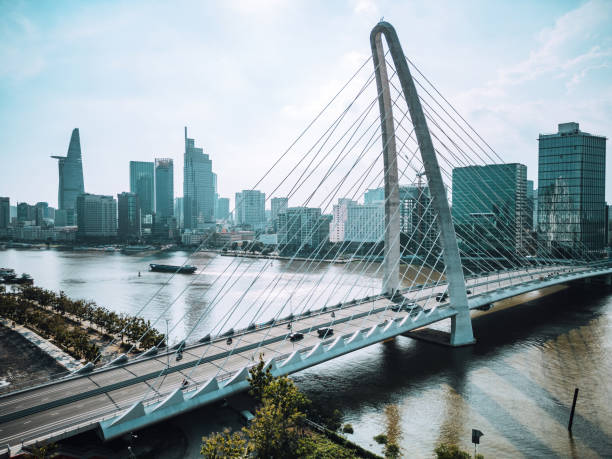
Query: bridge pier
[{"x": 461, "y": 327}]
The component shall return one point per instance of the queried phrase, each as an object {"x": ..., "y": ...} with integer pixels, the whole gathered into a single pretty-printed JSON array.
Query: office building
[
  {"x": 251, "y": 209},
  {"x": 26, "y": 214},
  {"x": 571, "y": 192},
  {"x": 339, "y": 218},
  {"x": 277, "y": 205},
  {"x": 223, "y": 209},
  {"x": 198, "y": 187},
  {"x": 129, "y": 220},
  {"x": 164, "y": 187},
  {"x": 70, "y": 177},
  {"x": 178, "y": 212},
  {"x": 365, "y": 223},
  {"x": 303, "y": 229},
  {"x": 417, "y": 217},
  {"x": 42, "y": 210},
  {"x": 96, "y": 216},
  {"x": 5, "y": 212},
  {"x": 142, "y": 182},
  {"x": 490, "y": 208}
]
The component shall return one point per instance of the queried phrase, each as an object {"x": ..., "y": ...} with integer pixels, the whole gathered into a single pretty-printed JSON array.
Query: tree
[
  {"x": 277, "y": 427},
  {"x": 224, "y": 445},
  {"x": 259, "y": 379}
]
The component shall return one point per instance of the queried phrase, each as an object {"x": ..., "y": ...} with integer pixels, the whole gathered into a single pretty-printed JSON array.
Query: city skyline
[{"x": 552, "y": 73}]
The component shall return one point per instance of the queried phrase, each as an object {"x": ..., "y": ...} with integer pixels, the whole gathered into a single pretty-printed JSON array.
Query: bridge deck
[{"x": 84, "y": 400}]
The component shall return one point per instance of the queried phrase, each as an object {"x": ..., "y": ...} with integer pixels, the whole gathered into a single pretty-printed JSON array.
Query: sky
[{"x": 246, "y": 77}]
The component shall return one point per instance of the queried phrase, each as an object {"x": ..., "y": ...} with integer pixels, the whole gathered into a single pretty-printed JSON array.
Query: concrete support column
[
  {"x": 392, "y": 218},
  {"x": 461, "y": 326}
]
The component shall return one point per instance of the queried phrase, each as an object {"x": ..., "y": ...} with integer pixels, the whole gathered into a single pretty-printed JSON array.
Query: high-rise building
[
  {"x": 277, "y": 205},
  {"x": 42, "y": 209},
  {"x": 164, "y": 187},
  {"x": 251, "y": 209},
  {"x": 5, "y": 212},
  {"x": 129, "y": 216},
  {"x": 490, "y": 207},
  {"x": 365, "y": 223},
  {"x": 178, "y": 212},
  {"x": 417, "y": 217},
  {"x": 198, "y": 187},
  {"x": 26, "y": 214},
  {"x": 96, "y": 215},
  {"x": 339, "y": 218},
  {"x": 223, "y": 209},
  {"x": 70, "y": 177},
  {"x": 142, "y": 182},
  {"x": 571, "y": 192},
  {"x": 303, "y": 228}
]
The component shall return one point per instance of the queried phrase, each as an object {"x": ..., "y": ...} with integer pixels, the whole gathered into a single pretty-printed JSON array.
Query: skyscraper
[
  {"x": 164, "y": 188},
  {"x": 490, "y": 203},
  {"x": 96, "y": 215},
  {"x": 70, "y": 177},
  {"x": 129, "y": 216},
  {"x": 5, "y": 212},
  {"x": 223, "y": 208},
  {"x": 178, "y": 212},
  {"x": 277, "y": 205},
  {"x": 142, "y": 183},
  {"x": 198, "y": 187},
  {"x": 571, "y": 187},
  {"x": 251, "y": 209}
]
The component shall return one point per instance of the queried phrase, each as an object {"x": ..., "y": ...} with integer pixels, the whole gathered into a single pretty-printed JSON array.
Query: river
[{"x": 515, "y": 384}]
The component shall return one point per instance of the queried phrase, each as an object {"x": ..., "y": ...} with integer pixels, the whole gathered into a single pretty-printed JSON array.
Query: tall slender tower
[
  {"x": 198, "y": 187},
  {"x": 70, "y": 175}
]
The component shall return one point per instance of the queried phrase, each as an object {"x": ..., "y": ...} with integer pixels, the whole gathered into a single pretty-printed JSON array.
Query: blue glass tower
[{"x": 70, "y": 176}]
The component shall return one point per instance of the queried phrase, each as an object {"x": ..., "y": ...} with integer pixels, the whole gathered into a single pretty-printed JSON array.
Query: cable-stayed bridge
[{"x": 454, "y": 268}]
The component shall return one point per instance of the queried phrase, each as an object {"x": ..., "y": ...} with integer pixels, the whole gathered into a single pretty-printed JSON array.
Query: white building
[
  {"x": 339, "y": 217},
  {"x": 365, "y": 223}
]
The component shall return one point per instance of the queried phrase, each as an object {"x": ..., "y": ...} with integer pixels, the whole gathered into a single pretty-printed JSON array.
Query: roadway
[{"x": 84, "y": 400}]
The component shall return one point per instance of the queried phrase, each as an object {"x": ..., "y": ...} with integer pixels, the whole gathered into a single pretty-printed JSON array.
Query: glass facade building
[
  {"x": 142, "y": 181},
  {"x": 5, "y": 212},
  {"x": 571, "y": 192},
  {"x": 70, "y": 177},
  {"x": 251, "y": 209},
  {"x": 164, "y": 188},
  {"x": 96, "y": 216},
  {"x": 490, "y": 209},
  {"x": 198, "y": 187},
  {"x": 129, "y": 216}
]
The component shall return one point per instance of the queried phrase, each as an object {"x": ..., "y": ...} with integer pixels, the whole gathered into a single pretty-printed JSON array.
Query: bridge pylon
[{"x": 461, "y": 324}]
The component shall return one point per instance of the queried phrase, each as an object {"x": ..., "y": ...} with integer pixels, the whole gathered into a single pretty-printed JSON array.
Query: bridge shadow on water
[{"x": 404, "y": 370}]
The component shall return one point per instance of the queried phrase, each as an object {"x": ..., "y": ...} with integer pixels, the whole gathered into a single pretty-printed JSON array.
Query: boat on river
[{"x": 186, "y": 269}]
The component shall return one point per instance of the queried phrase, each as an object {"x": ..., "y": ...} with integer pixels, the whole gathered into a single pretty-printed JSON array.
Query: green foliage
[
  {"x": 42, "y": 451},
  {"x": 313, "y": 446},
  {"x": 277, "y": 427},
  {"x": 347, "y": 428},
  {"x": 444, "y": 451},
  {"x": 224, "y": 445},
  {"x": 259, "y": 379},
  {"x": 27, "y": 307},
  {"x": 381, "y": 439}
]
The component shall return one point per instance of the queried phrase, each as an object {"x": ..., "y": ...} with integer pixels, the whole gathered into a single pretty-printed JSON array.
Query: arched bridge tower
[{"x": 461, "y": 325}]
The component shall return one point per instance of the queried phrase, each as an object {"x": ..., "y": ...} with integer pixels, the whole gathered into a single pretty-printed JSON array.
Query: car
[
  {"x": 295, "y": 337},
  {"x": 325, "y": 332},
  {"x": 179, "y": 356},
  {"x": 441, "y": 297},
  {"x": 403, "y": 306}
]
